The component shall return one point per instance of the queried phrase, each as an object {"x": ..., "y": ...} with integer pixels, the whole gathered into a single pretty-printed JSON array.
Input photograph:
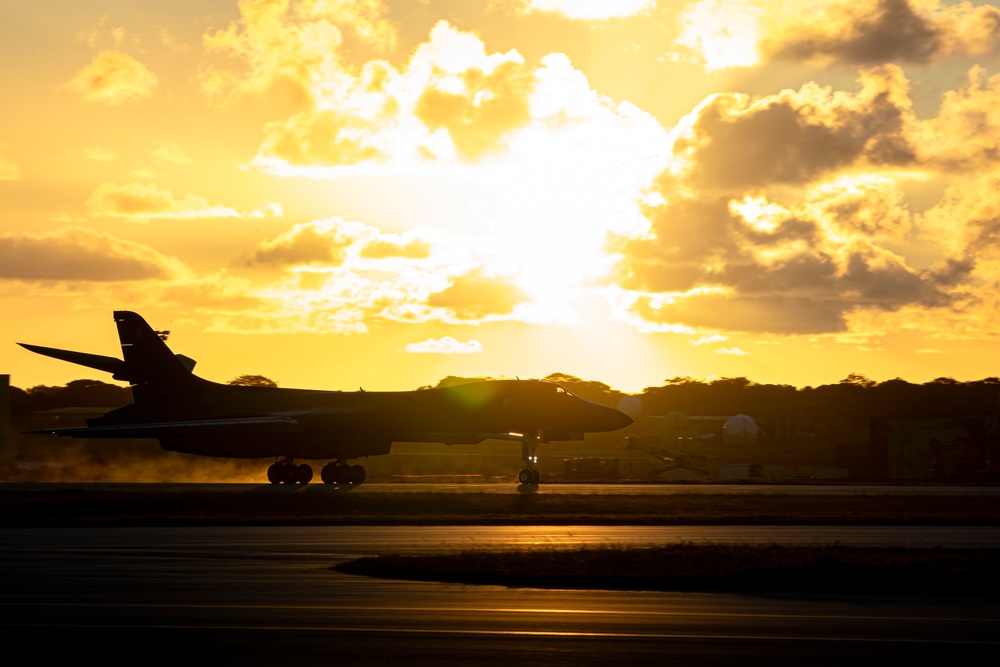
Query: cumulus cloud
[
  {"x": 477, "y": 295},
  {"x": 880, "y": 31},
  {"x": 733, "y": 141},
  {"x": 9, "y": 170},
  {"x": 721, "y": 254},
  {"x": 489, "y": 103},
  {"x": 741, "y": 33},
  {"x": 591, "y": 10},
  {"x": 444, "y": 345},
  {"x": 80, "y": 254},
  {"x": 337, "y": 275},
  {"x": 322, "y": 242},
  {"x": 113, "y": 77},
  {"x": 965, "y": 135},
  {"x": 800, "y": 269},
  {"x": 452, "y": 102},
  {"x": 285, "y": 47},
  {"x": 145, "y": 201},
  {"x": 395, "y": 247}
]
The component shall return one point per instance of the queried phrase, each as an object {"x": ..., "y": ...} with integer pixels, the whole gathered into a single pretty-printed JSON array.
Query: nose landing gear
[{"x": 529, "y": 477}]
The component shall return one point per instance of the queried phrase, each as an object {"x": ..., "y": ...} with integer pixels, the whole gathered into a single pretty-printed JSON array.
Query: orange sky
[{"x": 381, "y": 193}]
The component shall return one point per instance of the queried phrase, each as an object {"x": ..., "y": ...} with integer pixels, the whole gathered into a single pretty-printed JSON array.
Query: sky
[{"x": 381, "y": 193}]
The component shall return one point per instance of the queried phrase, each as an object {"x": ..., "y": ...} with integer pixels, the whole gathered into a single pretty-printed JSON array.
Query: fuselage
[{"x": 333, "y": 424}]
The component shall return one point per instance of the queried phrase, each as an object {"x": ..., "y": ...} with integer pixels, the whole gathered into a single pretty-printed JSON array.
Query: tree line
[{"x": 855, "y": 397}]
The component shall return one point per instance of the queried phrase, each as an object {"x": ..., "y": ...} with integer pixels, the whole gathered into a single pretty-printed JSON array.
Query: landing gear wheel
[
  {"x": 342, "y": 475},
  {"x": 274, "y": 473},
  {"x": 303, "y": 474},
  {"x": 289, "y": 473},
  {"x": 328, "y": 474},
  {"x": 357, "y": 474},
  {"x": 524, "y": 477},
  {"x": 534, "y": 477}
]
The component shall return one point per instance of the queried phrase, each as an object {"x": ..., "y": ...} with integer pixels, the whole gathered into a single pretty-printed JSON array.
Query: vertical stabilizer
[{"x": 152, "y": 369}]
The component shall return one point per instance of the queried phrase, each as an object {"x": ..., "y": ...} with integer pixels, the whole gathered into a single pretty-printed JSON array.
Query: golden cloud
[
  {"x": 145, "y": 201},
  {"x": 285, "y": 47},
  {"x": 486, "y": 107},
  {"x": 965, "y": 135},
  {"x": 880, "y": 31},
  {"x": 591, "y": 10},
  {"x": 452, "y": 101},
  {"x": 113, "y": 77},
  {"x": 444, "y": 345},
  {"x": 321, "y": 138},
  {"x": 733, "y": 141},
  {"x": 476, "y": 295},
  {"x": 322, "y": 242},
  {"x": 383, "y": 248},
  {"x": 740, "y": 33},
  {"x": 80, "y": 254}
]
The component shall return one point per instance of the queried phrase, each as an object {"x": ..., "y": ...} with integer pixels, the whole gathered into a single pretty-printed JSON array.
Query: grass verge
[{"x": 709, "y": 568}]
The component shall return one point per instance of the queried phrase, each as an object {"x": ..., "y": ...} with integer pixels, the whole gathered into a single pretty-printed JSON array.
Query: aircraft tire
[
  {"x": 343, "y": 474},
  {"x": 534, "y": 476},
  {"x": 357, "y": 474},
  {"x": 328, "y": 474},
  {"x": 524, "y": 477},
  {"x": 274, "y": 473},
  {"x": 303, "y": 473},
  {"x": 289, "y": 473}
]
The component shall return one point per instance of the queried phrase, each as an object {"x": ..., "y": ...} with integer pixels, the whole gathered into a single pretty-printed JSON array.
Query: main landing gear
[
  {"x": 286, "y": 472},
  {"x": 342, "y": 474},
  {"x": 528, "y": 477}
]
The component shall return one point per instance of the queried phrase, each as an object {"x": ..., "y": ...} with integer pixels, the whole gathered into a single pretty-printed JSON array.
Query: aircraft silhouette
[{"x": 192, "y": 415}]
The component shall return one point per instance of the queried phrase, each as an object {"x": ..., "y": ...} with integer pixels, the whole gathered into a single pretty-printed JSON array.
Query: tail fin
[{"x": 150, "y": 367}]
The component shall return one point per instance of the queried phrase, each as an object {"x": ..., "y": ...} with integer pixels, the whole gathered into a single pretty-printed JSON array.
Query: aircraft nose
[{"x": 612, "y": 420}]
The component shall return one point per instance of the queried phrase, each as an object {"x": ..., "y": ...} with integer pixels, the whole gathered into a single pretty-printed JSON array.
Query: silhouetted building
[{"x": 945, "y": 448}]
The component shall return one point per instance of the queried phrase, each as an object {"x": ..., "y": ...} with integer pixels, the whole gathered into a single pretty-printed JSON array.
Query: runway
[
  {"x": 258, "y": 595},
  {"x": 510, "y": 488}
]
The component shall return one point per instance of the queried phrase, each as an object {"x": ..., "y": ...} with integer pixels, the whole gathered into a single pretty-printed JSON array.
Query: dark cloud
[
  {"x": 871, "y": 32},
  {"x": 75, "y": 253},
  {"x": 770, "y": 314},
  {"x": 318, "y": 243},
  {"x": 797, "y": 136},
  {"x": 888, "y": 31}
]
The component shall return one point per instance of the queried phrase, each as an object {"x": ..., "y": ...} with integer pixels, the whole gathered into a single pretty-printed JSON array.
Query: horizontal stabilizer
[{"x": 100, "y": 362}]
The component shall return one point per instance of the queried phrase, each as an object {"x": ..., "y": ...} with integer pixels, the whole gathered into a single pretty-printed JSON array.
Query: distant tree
[
  {"x": 858, "y": 380},
  {"x": 740, "y": 382},
  {"x": 452, "y": 380},
  {"x": 252, "y": 381},
  {"x": 682, "y": 379}
]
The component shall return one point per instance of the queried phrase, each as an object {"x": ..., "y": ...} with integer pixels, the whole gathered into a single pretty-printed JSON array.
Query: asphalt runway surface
[
  {"x": 266, "y": 595},
  {"x": 508, "y": 488}
]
